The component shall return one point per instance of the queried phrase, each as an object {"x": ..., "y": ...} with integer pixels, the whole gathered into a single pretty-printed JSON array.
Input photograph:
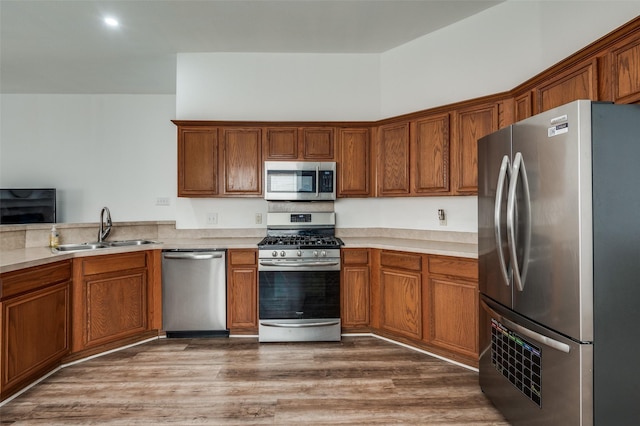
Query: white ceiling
[{"x": 63, "y": 46}]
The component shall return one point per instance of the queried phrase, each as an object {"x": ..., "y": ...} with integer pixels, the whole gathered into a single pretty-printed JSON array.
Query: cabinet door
[
  {"x": 318, "y": 143},
  {"x": 579, "y": 82},
  {"x": 110, "y": 299},
  {"x": 453, "y": 305},
  {"x": 281, "y": 143},
  {"x": 355, "y": 287},
  {"x": 354, "y": 163},
  {"x": 393, "y": 160},
  {"x": 430, "y": 155},
  {"x": 470, "y": 125},
  {"x": 242, "y": 161},
  {"x": 625, "y": 73},
  {"x": 523, "y": 106},
  {"x": 454, "y": 312},
  {"x": 35, "y": 335},
  {"x": 197, "y": 161},
  {"x": 242, "y": 291},
  {"x": 401, "y": 310},
  {"x": 401, "y": 293}
]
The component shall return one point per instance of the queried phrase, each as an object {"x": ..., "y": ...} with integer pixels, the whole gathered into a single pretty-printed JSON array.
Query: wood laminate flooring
[{"x": 238, "y": 381}]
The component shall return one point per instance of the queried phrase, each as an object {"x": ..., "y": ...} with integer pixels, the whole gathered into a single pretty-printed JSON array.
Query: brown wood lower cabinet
[
  {"x": 34, "y": 325},
  {"x": 112, "y": 298},
  {"x": 355, "y": 289},
  {"x": 427, "y": 301},
  {"x": 400, "y": 289},
  {"x": 453, "y": 304},
  {"x": 242, "y": 291}
]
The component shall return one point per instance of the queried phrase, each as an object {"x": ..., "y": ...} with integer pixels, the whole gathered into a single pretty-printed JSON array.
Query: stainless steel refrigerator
[{"x": 559, "y": 266}]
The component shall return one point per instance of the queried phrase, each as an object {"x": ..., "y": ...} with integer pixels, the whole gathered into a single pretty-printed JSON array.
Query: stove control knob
[
  {"x": 299, "y": 253},
  {"x": 315, "y": 253},
  {"x": 282, "y": 253},
  {"x": 324, "y": 253},
  {"x": 274, "y": 253}
]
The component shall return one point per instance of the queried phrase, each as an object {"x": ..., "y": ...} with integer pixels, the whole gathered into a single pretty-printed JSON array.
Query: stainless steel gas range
[{"x": 299, "y": 278}]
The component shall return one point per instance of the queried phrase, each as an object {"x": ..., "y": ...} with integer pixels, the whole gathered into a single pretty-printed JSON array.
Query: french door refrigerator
[{"x": 559, "y": 266}]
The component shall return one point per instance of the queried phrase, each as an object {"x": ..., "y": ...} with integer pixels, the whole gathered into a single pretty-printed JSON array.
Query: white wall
[
  {"x": 97, "y": 150},
  {"x": 120, "y": 150},
  {"x": 278, "y": 86},
  {"x": 408, "y": 213},
  {"x": 493, "y": 51}
]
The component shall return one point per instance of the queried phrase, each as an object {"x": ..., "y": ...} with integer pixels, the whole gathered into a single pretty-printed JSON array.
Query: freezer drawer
[{"x": 533, "y": 375}]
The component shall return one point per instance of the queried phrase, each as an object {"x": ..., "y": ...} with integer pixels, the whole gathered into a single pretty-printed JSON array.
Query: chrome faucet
[{"x": 104, "y": 231}]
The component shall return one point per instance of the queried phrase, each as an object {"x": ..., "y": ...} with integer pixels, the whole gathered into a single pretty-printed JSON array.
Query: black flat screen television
[{"x": 27, "y": 205}]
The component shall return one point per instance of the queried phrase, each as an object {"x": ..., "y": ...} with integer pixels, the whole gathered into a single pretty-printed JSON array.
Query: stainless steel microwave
[{"x": 299, "y": 181}]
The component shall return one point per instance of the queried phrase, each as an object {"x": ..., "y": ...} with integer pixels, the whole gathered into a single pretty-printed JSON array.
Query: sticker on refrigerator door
[
  {"x": 518, "y": 360},
  {"x": 558, "y": 130}
]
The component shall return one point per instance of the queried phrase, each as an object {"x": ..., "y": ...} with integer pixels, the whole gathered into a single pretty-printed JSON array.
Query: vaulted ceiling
[{"x": 64, "y": 46}]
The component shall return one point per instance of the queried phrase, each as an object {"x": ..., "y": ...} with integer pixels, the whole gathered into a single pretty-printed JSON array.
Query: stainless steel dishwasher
[{"x": 194, "y": 297}]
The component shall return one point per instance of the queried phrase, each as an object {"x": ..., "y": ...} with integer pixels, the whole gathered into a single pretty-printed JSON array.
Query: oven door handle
[
  {"x": 299, "y": 325},
  {"x": 298, "y": 264}
]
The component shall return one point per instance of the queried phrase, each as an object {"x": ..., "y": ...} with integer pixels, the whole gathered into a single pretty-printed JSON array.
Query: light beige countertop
[
  {"x": 22, "y": 246},
  {"x": 11, "y": 260},
  {"x": 444, "y": 248}
]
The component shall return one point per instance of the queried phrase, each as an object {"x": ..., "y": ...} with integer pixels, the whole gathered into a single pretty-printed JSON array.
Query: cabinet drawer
[
  {"x": 21, "y": 281},
  {"x": 355, "y": 257},
  {"x": 466, "y": 268},
  {"x": 412, "y": 262},
  {"x": 243, "y": 257},
  {"x": 113, "y": 263}
]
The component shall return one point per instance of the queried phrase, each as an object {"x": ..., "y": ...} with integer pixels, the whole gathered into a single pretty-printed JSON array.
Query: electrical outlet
[
  {"x": 163, "y": 201},
  {"x": 442, "y": 217},
  {"x": 212, "y": 218},
  {"x": 258, "y": 218}
]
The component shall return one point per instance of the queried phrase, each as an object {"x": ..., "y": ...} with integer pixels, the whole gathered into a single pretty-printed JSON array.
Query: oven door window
[{"x": 299, "y": 294}]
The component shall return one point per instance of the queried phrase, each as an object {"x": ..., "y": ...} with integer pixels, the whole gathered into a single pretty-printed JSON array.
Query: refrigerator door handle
[
  {"x": 519, "y": 170},
  {"x": 505, "y": 172},
  {"x": 544, "y": 340}
]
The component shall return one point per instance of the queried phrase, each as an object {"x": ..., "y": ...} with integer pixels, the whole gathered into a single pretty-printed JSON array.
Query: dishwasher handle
[{"x": 194, "y": 255}]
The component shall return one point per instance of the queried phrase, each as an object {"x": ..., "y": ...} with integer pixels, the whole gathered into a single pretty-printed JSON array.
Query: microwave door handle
[
  {"x": 518, "y": 171},
  {"x": 317, "y": 181},
  {"x": 505, "y": 172}
]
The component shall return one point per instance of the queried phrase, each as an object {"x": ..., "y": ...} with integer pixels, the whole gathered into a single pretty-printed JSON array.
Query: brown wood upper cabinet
[
  {"x": 241, "y": 160},
  {"x": 197, "y": 161},
  {"x": 354, "y": 162},
  {"x": 394, "y": 160},
  {"x": 413, "y": 157},
  {"x": 625, "y": 72},
  {"x": 299, "y": 143},
  {"x": 470, "y": 124},
  {"x": 219, "y": 161},
  {"x": 430, "y": 155},
  {"x": 578, "y": 82}
]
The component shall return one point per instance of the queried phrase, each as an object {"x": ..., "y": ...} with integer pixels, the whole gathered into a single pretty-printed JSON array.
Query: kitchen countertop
[{"x": 11, "y": 260}]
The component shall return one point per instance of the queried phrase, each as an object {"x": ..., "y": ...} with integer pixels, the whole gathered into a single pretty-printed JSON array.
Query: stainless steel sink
[
  {"x": 124, "y": 243},
  {"x": 102, "y": 245},
  {"x": 80, "y": 247}
]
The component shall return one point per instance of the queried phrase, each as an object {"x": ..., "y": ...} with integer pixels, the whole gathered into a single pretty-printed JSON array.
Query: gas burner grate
[{"x": 300, "y": 241}]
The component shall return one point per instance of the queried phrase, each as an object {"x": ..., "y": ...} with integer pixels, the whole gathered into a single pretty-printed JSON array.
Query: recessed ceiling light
[{"x": 112, "y": 22}]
